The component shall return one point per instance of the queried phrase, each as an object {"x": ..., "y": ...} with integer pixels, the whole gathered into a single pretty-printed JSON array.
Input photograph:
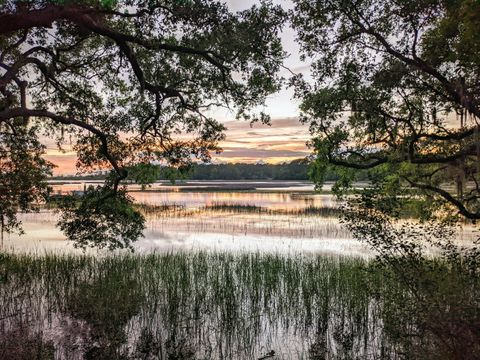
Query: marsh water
[
  {"x": 224, "y": 216},
  {"x": 226, "y": 270}
]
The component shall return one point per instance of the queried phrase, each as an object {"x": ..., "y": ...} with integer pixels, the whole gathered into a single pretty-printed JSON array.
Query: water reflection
[
  {"x": 207, "y": 231},
  {"x": 273, "y": 221},
  {"x": 215, "y": 220},
  {"x": 247, "y": 293},
  {"x": 271, "y": 200},
  {"x": 192, "y": 306},
  {"x": 194, "y": 194},
  {"x": 192, "y": 185}
]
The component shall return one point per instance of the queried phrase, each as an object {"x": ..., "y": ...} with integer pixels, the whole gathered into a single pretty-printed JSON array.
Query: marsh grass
[
  {"x": 306, "y": 222},
  {"x": 179, "y": 210},
  {"x": 323, "y": 211},
  {"x": 190, "y": 306},
  {"x": 201, "y": 305}
]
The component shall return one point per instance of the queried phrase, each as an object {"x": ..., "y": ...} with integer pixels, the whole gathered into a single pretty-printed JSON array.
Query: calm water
[
  {"x": 226, "y": 270},
  {"x": 189, "y": 306},
  {"x": 279, "y": 227},
  {"x": 211, "y": 216}
]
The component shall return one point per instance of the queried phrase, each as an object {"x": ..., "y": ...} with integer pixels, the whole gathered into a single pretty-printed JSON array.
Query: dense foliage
[
  {"x": 127, "y": 82},
  {"x": 22, "y": 175},
  {"x": 433, "y": 310},
  {"x": 295, "y": 170},
  {"x": 397, "y": 89},
  {"x": 145, "y": 174},
  {"x": 396, "y": 93}
]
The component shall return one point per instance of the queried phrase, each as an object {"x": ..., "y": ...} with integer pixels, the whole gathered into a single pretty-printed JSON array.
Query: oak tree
[
  {"x": 122, "y": 83},
  {"x": 396, "y": 91}
]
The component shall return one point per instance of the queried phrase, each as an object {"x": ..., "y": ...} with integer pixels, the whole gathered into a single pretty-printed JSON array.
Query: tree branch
[
  {"x": 447, "y": 196},
  {"x": 22, "y": 112}
]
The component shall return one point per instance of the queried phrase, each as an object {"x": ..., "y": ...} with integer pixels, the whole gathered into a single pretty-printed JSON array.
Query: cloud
[
  {"x": 65, "y": 163},
  {"x": 260, "y": 154},
  {"x": 284, "y": 140},
  {"x": 283, "y": 123}
]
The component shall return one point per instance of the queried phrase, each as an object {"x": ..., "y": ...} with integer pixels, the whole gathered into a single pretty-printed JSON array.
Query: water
[
  {"x": 225, "y": 270},
  {"x": 266, "y": 216},
  {"x": 190, "y": 306},
  {"x": 205, "y": 305},
  {"x": 210, "y": 220}
]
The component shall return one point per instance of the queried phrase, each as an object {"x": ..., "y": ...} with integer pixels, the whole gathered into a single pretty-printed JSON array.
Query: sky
[{"x": 284, "y": 140}]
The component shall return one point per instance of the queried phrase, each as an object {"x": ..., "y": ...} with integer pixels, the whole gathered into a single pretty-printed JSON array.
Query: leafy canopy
[
  {"x": 126, "y": 83},
  {"x": 22, "y": 175},
  {"x": 397, "y": 89},
  {"x": 396, "y": 94}
]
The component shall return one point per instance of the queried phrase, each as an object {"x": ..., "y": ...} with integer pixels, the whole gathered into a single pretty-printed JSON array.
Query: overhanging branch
[{"x": 22, "y": 112}]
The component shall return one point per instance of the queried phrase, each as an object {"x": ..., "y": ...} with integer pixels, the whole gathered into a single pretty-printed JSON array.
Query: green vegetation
[
  {"x": 253, "y": 209},
  {"x": 22, "y": 177},
  {"x": 177, "y": 210},
  {"x": 145, "y": 174},
  {"x": 390, "y": 77},
  {"x": 234, "y": 306},
  {"x": 300, "y": 169},
  {"x": 132, "y": 83},
  {"x": 101, "y": 219},
  {"x": 295, "y": 170},
  {"x": 84, "y": 73},
  {"x": 205, "y": 305}
]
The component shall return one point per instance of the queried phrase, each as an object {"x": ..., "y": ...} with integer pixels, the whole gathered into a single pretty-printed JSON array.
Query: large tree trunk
[{"x": 26, "y": 18}]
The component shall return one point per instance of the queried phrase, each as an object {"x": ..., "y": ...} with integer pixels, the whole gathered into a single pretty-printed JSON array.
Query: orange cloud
[{"x": 283, "y": 141}]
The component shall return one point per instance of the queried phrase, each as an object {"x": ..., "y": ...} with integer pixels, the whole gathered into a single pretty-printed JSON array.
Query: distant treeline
[{"x": 294, "y": 170}]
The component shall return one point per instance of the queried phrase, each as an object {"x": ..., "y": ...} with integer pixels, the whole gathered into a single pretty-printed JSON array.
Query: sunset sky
[{"x": 284, "y": 140}]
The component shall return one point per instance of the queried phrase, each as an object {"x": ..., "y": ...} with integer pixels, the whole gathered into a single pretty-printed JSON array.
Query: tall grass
[
  {"x": 179, "y": 210},
  {"x": 324, "y": 211},
  {"x": 308, "y": 222},
  {"x": 191, "y": 306}
]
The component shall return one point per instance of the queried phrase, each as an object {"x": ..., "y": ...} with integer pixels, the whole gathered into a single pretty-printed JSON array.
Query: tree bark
[{"x": 27, "y": 18}]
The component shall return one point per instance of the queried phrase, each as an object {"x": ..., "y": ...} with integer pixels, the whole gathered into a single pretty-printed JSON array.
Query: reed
[
  {"x": 214, "y": 305},
  {"x": 176, "y": 210},
  {"x": 211, "y": 305}
]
